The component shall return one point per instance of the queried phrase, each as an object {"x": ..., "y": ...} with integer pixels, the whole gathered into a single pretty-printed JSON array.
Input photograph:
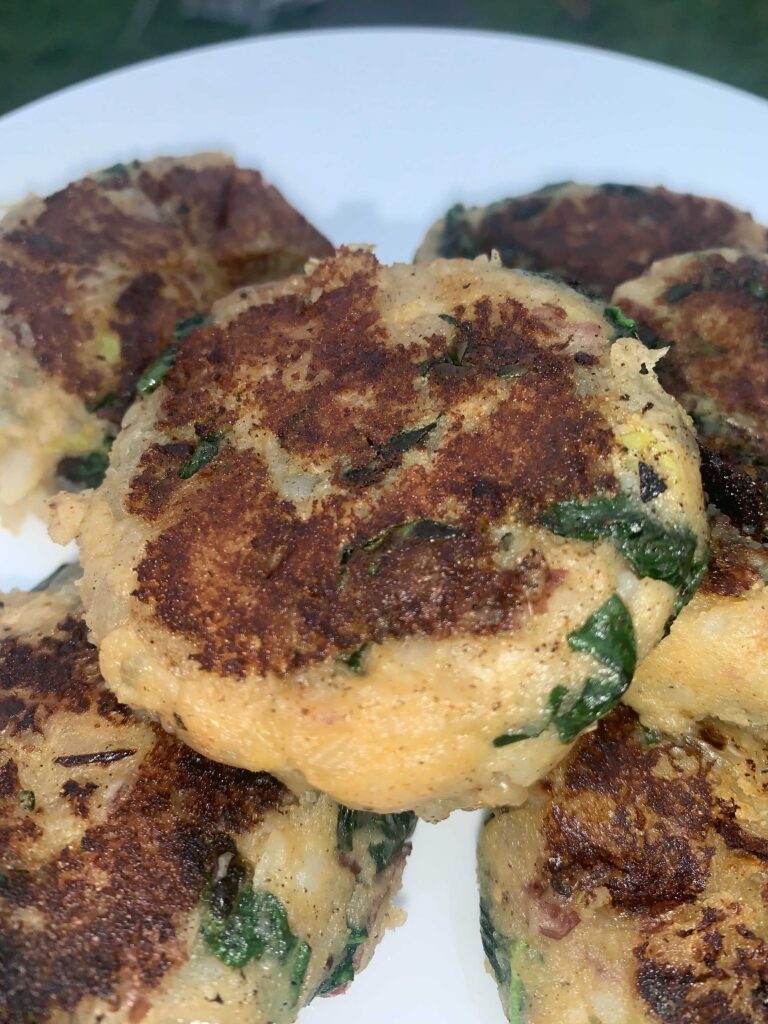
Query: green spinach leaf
[{"x": 652, "y": 549}]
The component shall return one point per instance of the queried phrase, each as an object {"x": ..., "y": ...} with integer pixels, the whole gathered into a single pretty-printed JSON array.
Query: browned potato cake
[
  {"x": 95, "y": 279},
  {"x": 399, "y": 533},
  {"x": 140, "y": 882},
  {"x": 631, "y": 886},
  {"x": 711, "y": 308},
  {"x": 594, "y": 235}
]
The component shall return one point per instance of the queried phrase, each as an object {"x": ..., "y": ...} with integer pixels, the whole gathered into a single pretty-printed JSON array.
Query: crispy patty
[
  {"x": 594, "y": 235},
  {"x": 631, "y": 887},
  {"x": 711, "y": 308},
  {"x": 715, "y": 659},
  {"x": 140, "y": 882},
  {"x": 368, "y": 533},
  {"x": 93, "y": 282}
]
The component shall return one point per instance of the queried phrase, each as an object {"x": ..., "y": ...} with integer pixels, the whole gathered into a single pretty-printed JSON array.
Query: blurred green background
[{"x": 47, "y": 44}]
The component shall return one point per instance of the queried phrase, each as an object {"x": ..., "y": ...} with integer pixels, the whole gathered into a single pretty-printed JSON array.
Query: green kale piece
[
  {"x": 256, "y": 925},
  {"x": 660, "y": 552},
  {"x": 344, "y": 971},
  {"x": 395, "y": 830},
  {"x": 206, "y": 450},
  {"x": 608, "y": 636},
  {"x": 624, "y": 326}
]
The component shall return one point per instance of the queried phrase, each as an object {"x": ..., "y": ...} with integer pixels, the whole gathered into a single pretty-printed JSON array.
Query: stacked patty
[
  {"x": 397, "y": 533},
  {"x": 629, "y": 887},
  {"x": 140, "y": 882},
  {"x": 97, "y": 279},
  {"x": 711, "y": 310},
  {"x": 596, "y": 236}
]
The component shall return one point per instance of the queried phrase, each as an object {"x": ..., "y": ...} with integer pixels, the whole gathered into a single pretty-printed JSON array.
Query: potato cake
[
  {"x": 379, "y": 526},
  {"x": 595, "y": 236},
  {"x": 711, "y": 309},
  {"x": 96, "y": 279},
  {"x": 140, "y": 882},
  {"x": 631, "y": 886}
]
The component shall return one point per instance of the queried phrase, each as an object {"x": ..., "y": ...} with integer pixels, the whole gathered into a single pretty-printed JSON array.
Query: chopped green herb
[
  {"x": 207, "y": 449},
  {"x": 298, "y": 962},
  {"x": 516, "y": 737},
  {"x": 154, "y": 373},
  {"x": 757, "y": 289},
  {"x": 344, "y": 971},
  {"x": 517, "y": 996},
  {"x": 395, "y": 830},
  {"x": 355, "y": 661},
  {"x": 419, "y": 529},
  {"x": 624, "y": 325},
  {"x": 256, "y": 926},
  {"x": 494, "y": 944},
  {"x": 152, "y": 376},
  {"x": 185, "y": 327},
  {"x": 652, "y": 549},
  {"x": 506, "y": 959},
  {"x": 456, "y": 355},
  {"x": 27, "y": 799},
  {"x": 678, "y": 292},
  {"x": 86, "y": 470},
  {"x": 346, "y": 823},
  {"x": 649, "y": 737},
  {"x": 512, "y": 370},
  {"x": 118, "y": 170},
  {"x": 387, "y": 455},
  {"x": 608, "y": 636},
  {"x": 505, "y": 541},
  {"x": 102, "y": 403}
]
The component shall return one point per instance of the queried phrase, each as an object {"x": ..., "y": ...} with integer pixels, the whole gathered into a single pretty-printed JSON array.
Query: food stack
[{"x": 366, "y": 542}]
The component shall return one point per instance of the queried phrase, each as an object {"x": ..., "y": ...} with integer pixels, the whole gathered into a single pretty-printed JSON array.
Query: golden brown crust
[
  {"x": 222, "y": 570},
  {"x": 131, "y": 252},
  {"x": 112, "y": 907},
  {"x": 247, "y": 225},
  {"x": 736, "y": 564},
  {"x": 598, "y": 237},
  {"x": 713, "y": 311},
  {"x": 645, "y": 820},
  {"x": 625, "y": 817}
]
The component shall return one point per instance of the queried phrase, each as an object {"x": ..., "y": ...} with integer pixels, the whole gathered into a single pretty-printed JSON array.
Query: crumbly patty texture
[
  {"x": 631, "y": 886},
  {"x": 140, "y": 882},
  {"x": 367, "y": 533},
  {"x": 93, "y": 280},
  {"x": 715, "y": 659},
  {"x": 711, "y": 308},
  {"x": 594, "y": 235}
]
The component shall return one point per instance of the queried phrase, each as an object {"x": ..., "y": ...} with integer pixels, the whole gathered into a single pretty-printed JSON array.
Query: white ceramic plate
[{"x": 373, "y": 134}]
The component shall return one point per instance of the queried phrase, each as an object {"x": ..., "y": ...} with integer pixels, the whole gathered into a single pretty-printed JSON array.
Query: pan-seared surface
[
  {"x": 712, "y": 310},
  {"x": 594, "y": 235},
  {"x": 340, "y": 539},
  {"x": 631, "y": 886},
  {"x": 93, "y": 281},
  {"x": 132, "y": 870}
]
